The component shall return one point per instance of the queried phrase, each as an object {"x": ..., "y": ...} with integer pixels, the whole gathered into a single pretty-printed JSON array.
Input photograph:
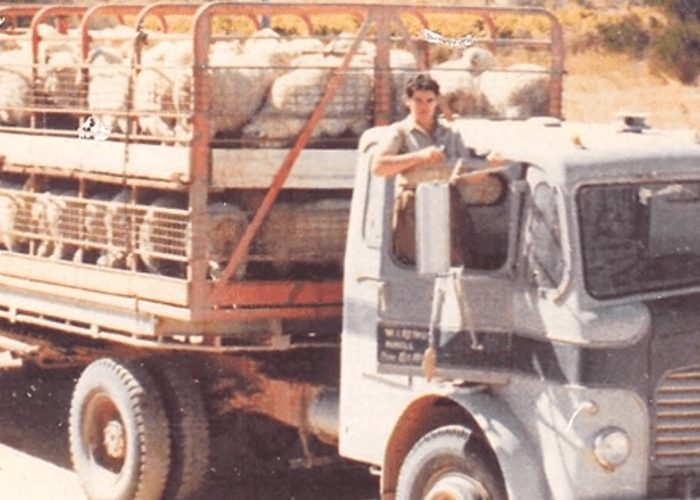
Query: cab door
[{"x": 470, "y": 308}]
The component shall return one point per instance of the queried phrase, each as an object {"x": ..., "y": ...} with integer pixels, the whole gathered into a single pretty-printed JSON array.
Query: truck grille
[{"x": 677, "y": 443}]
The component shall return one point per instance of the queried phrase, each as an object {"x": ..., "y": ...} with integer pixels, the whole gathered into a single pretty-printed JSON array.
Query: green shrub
[
  {"x": 686, "y": 10},
  {"x": 678, "y": 50},
  {"x": 626, "y": 34}
]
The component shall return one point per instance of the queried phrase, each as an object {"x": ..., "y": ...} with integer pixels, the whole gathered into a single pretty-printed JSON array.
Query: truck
[{"x": 198, "y": 269}]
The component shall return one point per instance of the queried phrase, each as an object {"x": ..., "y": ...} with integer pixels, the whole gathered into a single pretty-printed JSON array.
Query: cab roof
[{"x": 575, "y": 152}]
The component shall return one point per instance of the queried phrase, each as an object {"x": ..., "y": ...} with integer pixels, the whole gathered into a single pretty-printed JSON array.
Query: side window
[{"x": 544, "y": 250}]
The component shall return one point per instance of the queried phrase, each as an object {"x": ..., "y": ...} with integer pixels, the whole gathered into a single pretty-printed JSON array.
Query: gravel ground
[{"x": 35, "y": 462}]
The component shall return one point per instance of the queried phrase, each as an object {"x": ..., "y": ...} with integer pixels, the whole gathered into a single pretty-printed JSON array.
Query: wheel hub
[
  {"x": 457, "y": 486},
  {"x": 114, "y": 440}
]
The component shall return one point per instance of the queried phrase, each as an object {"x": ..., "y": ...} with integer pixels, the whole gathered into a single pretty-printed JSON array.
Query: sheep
[
  {"x": 58, "y": 68},
  {"x": 165, "y": 233},
  {"x": 459, "y": 81},
  {"x": 295, "y": 96},
  {"x": 521, "y": 91},
  {"x": 109, "y": 75},
  {"x": 165, "y": 69},
  {"x": 116, "y": 235},
  {"x": 239, "y": 81},
  {"x": 108, "y": 88},
  {"x": 59, "y": 74},
  {"x": 242, "y": 80},
  {"x": 55, "y": 218},
  {"x": 299, "y": 233},
  {"x": 10, "y": 206},
  {"x": 226, "y": 225},
  {"x": 403, "y": 67},
  {"x": 15, "y": 87},
  {"x": 161, "y": 233},
  {"x": 341, "y": 44}
]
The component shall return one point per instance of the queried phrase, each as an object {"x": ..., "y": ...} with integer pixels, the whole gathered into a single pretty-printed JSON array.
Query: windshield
[{"x": 640, "y": 237}]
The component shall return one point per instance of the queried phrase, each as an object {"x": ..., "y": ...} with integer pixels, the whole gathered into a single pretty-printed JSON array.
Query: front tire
[
  {"x": 119, "y": 444},
  {"x": 449, "y": 463}
]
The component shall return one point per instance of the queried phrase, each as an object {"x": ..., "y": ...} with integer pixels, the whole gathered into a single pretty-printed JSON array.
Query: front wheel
[
  {"x": 449, "y": 464},
  {"x": 119, "y": 442}
]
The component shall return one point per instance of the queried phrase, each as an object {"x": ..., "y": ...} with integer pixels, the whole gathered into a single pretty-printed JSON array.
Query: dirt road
[{"x": 35, "y": 461}]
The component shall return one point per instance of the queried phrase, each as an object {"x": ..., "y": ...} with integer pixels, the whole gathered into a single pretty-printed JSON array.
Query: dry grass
[{"x": 599, "y": 84}]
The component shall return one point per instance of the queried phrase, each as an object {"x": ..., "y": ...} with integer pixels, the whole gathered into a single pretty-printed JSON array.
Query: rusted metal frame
[
  {"x": 282, "y": 312},
  {"x": 15, "y": 11},
  {"x": 200, "y": 162},
  {"x": 286, "y": 401},
  {"x": 415, "y": 48},
  {"x": 331, "y": 88},
  {"x": 88, "y": 176},
  {"x": 167, "y": 344},
  {"x": 423, "y": 61},
  {"x": 307, "y": 22},
  {"x": 39, "y": 17},
  {"x": 265, "y": 293},
  {"x": 161, "y": 9},
  {"x": 492, "y": 29},
  {"x": 382, "y": 69}
]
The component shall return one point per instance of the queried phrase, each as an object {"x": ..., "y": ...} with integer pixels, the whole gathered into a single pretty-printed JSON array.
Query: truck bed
[{"x": 161, "y": 187}]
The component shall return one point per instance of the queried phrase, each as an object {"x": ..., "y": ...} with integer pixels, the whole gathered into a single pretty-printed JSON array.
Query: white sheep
[
  {"x": 10, "y": 206},
  {"x": 240, "y": 81},
  {"x": 317, "y": 234},
  {"x": 459, "y": 81},
  {"x": 59, "y": 74},
  {"x": 296, "y": 95},
  {"x": 521, "y": 91},
  {"x": 56, "y": 220},
  {"x": 15, "y": 86},
  {"x": 117, "y": 232},
  {"x": 108, "y": 88},
  {"x": 109, "y": 74},
  {"x": 403, "y": 68},
  {"x": 166, "y": 68},
  {"x": 58, "y": 67},
  {"x": 342, "y": 43},
  {"x": 164, "y": 233}
]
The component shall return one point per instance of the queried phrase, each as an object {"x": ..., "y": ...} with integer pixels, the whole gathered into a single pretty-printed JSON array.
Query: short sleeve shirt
[{"x": 407, "y": 136}]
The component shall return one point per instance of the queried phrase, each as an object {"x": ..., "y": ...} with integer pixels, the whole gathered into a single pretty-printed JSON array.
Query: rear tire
[
  {"x": 119, "y": 445},
  {"x": 449, "y": 463},
  {"x": 189, "y": 429}
]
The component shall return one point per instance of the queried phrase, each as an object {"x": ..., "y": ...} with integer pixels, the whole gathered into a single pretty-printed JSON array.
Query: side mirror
[{"x": 433, "y": 228}]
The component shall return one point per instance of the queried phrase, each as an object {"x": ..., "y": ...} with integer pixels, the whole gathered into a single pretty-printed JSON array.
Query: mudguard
[{"x": 517, "y": 455}]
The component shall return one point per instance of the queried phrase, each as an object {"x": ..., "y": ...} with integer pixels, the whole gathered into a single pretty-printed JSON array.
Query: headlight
[{"x": 611, "y": 447}]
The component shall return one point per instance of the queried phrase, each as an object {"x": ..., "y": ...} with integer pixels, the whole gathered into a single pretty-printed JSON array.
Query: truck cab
[{"x": 563, "y": 355}]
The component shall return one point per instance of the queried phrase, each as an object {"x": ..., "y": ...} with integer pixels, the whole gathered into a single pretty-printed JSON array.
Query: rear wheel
[
  {"x": 119, "y": 445},
  {"x": 448, "y": 464},
  {"x": 189, "y": 429}
]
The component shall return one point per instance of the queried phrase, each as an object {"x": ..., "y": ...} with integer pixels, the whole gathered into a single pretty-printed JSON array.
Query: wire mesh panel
[
  {"x": 60, "y": 225},
  {"x": 266, "y": 82}
]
